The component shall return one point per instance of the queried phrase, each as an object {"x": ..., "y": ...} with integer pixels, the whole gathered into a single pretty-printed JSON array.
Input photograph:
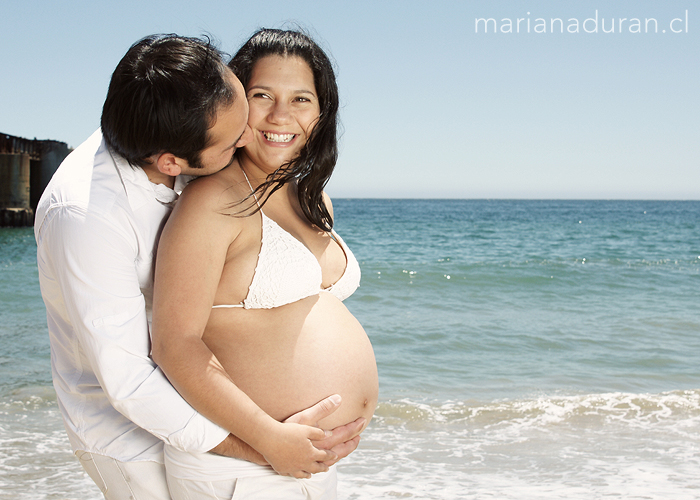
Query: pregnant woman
[{"x": 249, "y": 265}]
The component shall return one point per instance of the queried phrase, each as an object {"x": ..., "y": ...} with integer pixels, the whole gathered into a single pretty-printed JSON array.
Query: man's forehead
[
  {"x": 231, "y": 118},
  {"x": 235, "y": 82}
]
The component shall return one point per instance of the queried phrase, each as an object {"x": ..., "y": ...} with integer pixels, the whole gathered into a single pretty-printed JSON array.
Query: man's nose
[{"x": 246, "y": 137}]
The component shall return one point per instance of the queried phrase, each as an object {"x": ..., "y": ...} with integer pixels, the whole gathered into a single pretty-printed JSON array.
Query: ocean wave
[
  {"x": 588, "y": 446},
  {"x": 36, "y": 461},
  {"x": 29, "y": 398},
  {"x": 589, "y": 409}
]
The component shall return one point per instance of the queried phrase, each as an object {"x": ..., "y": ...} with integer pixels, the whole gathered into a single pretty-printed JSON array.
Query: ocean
[{"x": 526, "y": 350}]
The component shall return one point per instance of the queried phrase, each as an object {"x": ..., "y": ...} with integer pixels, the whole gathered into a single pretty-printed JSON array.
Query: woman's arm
[{"x": 191, "y": 254}]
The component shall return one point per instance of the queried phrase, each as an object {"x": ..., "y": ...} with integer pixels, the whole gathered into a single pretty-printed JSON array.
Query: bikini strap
[{"x": 251, "y": 188}]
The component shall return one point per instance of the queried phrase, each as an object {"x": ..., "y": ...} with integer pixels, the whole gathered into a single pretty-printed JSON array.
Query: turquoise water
[
  {"x": 526, "y": 349},
  {"x": 505, "y": 298}
]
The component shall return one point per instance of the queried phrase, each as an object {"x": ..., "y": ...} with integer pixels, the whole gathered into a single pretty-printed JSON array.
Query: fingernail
[
  {"x": 336, "y": 399},
  {"x": 328, "y": 433}
]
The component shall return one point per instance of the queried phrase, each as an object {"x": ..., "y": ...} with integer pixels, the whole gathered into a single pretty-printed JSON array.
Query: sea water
[{"x": 526, "y": 350}]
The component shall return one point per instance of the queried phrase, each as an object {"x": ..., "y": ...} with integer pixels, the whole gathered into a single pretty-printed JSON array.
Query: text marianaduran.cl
[{"x": 595, "y": 24}]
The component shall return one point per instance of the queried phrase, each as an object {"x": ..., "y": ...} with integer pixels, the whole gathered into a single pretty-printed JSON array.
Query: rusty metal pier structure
[{"x": 26, "y": 167}]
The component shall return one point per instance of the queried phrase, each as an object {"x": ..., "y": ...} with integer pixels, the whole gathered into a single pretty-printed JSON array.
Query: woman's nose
[{"x": 280, "y": 113}]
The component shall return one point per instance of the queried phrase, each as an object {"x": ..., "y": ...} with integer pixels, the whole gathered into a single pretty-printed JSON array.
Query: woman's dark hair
[
  {"x": 315, "y": 163},
  {"x": 163, "y": 97}
]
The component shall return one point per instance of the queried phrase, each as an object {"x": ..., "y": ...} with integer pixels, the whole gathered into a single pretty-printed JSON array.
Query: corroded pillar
[{"x": 14, "y": 190}]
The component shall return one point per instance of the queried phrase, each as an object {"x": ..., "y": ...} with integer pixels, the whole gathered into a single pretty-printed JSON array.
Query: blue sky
[{"x": 430, "y": 107}]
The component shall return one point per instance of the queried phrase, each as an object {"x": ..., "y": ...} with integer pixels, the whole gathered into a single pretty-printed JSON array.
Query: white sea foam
[
  {"x": 580, "y": 447},
  {"x": 35, "y": 457},
  {"x": 575, "y": 447}
]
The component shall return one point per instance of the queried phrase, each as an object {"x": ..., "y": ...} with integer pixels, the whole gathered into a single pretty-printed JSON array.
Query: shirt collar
[{"x": 140, "y": 190}]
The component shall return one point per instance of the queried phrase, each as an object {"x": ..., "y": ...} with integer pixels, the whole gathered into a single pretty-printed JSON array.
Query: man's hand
[
  {"x": 340, "y": 441},
  {"x": 343, "y": 440}
]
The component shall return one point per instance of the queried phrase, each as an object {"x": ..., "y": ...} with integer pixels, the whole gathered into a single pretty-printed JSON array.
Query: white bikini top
[{"x": 287, "y": 271}]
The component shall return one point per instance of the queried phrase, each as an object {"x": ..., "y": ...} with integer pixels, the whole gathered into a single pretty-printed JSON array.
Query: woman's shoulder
[
  {"x": 219, "y": 191},
  {"x": 328, "y": 203}
]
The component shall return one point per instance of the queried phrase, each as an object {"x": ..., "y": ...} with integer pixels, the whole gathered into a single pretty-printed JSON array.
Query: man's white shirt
[{"x": 97, "y": 227}]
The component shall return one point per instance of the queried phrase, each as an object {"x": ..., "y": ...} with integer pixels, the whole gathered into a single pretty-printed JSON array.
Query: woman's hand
[
  {"x": 343, "y": 439},
  {"x": 289, "y": 449}
]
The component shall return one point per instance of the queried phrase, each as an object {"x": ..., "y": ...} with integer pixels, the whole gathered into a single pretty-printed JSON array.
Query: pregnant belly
[{"x": 288, "y": 358}]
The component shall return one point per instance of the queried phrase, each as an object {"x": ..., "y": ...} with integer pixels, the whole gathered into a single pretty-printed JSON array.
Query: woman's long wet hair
[{"x": 314, "y": 165}]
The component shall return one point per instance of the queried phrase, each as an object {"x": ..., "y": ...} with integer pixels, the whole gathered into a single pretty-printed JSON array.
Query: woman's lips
[{"x": 279, "y": 138}]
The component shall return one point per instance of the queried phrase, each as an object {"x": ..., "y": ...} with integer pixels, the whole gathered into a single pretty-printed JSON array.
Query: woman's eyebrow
[{"x": 263, "y": 87}]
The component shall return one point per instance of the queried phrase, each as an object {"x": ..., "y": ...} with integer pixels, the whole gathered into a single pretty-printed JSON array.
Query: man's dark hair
[
  {"x": 314, "y": 165},
  {"x": 163, "y": 97}
]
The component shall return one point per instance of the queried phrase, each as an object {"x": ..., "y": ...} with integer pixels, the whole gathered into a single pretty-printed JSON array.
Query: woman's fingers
[
  {"x": 293, "y": 454},
  {"x": 326, "y": 456}
]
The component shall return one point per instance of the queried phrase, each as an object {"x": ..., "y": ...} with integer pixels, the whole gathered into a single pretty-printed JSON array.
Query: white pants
[
  {"x": 199, "y": 476},
  {"x": 125, "y": 480},
  {"x": 321, "y": 486}
]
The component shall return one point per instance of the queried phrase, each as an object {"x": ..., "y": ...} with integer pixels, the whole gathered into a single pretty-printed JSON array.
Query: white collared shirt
[{"x": 97, "y": 226}]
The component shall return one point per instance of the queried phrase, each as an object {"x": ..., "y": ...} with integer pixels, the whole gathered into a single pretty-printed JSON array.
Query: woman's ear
[{"x": 169, "y": 164}]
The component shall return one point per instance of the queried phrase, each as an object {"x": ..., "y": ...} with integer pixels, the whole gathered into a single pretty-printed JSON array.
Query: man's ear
[{"x": 169, "y": 164}]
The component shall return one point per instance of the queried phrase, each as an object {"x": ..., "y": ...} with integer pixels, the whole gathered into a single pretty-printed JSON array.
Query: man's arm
[{"x": 92, "y": 294}]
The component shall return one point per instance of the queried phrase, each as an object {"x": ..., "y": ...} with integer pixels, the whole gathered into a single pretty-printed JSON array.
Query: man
[{"x": 173, "y": 107}]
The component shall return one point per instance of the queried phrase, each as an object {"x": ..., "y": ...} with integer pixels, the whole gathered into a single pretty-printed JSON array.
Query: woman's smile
[{"x": 279, "y": 139}]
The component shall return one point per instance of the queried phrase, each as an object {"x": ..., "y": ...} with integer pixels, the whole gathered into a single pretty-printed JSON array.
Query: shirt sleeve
[{"x": 92, "y": 260}]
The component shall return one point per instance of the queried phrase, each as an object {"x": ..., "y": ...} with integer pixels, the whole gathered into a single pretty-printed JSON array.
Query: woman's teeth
[{"x": 278, "y": 137}]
